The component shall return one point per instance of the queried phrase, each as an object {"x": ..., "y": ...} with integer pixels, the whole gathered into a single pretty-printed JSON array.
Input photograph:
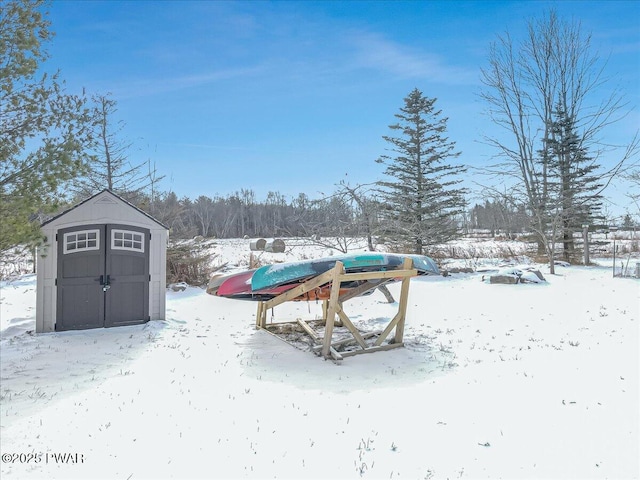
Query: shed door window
[
  {"x": 81, "y": 241},
  {"x": 127, "y": 240}
]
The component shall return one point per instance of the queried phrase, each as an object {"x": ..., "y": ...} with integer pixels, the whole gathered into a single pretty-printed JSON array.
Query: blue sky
[{"x": 294, "y": 97}]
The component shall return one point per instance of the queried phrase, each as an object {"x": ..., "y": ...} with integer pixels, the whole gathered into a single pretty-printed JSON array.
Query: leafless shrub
[
  {"x": 16, "y": 261},
  {"x": 188, "y": 263}
]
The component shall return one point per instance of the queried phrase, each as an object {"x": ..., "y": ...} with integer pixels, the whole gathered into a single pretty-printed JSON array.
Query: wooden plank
[
  {"x": 355, "y": 292},
  {"x": 402, "y": 308},
  {"x": 300, "y": 289},
  {"x": 325, "y": 307},
  {"x": 354, "y": 331},
  {"x": 294, "y": 322},
  {"x": 310, "y": 331},
  {"x": 345, "y": 341},
  {"x": 390, "y": 326},
  {"x": 372, "y": 349},
  {"x": 261, "y": 317},
  {"x": 336, "y": 272},
  {"x": 405, "y": 272},
  {"x": 398, "y": 321},
  {"x": 338, "y": 321},
  {"x": 335, "y": 354}
]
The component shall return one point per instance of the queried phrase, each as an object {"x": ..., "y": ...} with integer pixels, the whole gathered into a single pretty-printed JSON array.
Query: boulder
[
  {"x": 532, "y": 276},
  {"x": 460, "y": 270},
  {"x": 511, "y": 276},
  {"x": 178, "y": 287},
  {"x": 504, "y": 279}
]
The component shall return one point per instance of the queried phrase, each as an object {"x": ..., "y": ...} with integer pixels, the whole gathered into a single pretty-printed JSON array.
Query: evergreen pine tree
[
  {"x": 420, "y": 199},
  {"x": 42, "y": 130},
  {"x": 572, "y": 189}
]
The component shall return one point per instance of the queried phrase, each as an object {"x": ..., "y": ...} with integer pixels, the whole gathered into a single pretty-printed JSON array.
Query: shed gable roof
[{"x": 105, "y": 197}]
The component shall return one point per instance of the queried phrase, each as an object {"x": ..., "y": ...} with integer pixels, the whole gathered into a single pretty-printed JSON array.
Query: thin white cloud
[
  {"x": 157, "y": 85},
  {"x": 207, "y": 146},
  {"x": 373, "y": 51}
]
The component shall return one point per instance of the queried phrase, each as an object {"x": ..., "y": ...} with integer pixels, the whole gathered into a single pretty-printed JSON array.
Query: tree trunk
[
  {"x": 568, "y": 247},
  {"x": 418, "y": 250}
]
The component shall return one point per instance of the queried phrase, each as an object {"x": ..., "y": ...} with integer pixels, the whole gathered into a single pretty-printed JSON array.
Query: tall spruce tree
[
  {"x": 571, "y": 189},
  {"x": 42, "y": 130},
  {"x": 421, "y": 198}
]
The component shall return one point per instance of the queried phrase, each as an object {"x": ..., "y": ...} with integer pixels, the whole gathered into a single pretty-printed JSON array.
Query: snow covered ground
[{"x": 495, "y": 381}]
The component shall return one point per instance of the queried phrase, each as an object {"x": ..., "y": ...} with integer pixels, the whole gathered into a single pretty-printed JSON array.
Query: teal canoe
[
  {"x": 425, "y": 265},
  {"x": 270, "y": 276}
]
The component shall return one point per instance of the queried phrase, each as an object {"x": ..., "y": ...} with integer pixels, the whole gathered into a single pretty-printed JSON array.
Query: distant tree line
[
  {"x": 499, "y": 218},
  {"x": 242, "y": 214},
  {"x": 234, "y": 216}
]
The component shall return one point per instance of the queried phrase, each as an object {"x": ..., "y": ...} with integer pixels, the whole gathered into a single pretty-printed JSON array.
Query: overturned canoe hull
[{"x": 270, "y": 281}]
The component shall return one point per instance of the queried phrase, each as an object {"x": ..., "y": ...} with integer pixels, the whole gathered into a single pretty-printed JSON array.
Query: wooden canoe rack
[{"x": 334, "y": 306}]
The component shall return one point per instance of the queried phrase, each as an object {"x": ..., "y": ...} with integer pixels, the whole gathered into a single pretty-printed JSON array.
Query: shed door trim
[{"x": 131, "y": 240}]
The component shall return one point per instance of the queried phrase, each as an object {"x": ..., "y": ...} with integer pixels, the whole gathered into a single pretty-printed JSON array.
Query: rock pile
[{"x": 511, "y": 276}]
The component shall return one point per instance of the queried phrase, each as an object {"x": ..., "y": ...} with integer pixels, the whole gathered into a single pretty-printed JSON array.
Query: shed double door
[{"x": 103, "y": 276}]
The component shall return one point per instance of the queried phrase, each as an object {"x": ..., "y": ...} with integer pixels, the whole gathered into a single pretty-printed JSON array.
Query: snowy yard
[{"x": 496, "y": 381}]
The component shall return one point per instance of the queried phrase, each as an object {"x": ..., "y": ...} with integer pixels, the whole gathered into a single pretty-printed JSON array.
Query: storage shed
[{"x": 103, "y": 265}]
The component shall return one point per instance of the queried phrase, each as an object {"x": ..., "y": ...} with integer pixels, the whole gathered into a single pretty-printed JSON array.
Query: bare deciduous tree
[
  {"x": 107, "y": 161},
  {"x": 525, "y": 84}
]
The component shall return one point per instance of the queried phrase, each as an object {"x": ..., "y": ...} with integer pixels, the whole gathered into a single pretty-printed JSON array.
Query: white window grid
[
  {"x": 127, "y": 240},
  {"x": 81, "y": 241}
]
